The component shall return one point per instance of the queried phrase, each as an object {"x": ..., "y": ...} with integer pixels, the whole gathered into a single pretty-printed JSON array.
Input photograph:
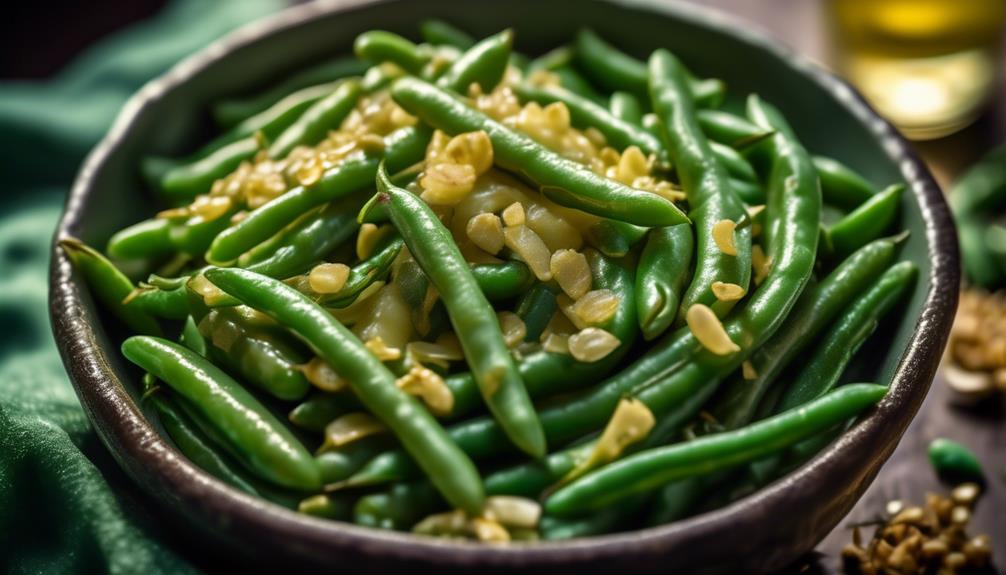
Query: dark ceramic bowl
[{"x": 765, "y": 531}]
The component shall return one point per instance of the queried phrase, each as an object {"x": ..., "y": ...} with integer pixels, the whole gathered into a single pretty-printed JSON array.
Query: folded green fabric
[{"x": 65, "y": 507}]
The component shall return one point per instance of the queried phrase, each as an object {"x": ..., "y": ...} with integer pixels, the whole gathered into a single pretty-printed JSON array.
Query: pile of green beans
[{"x": 447, "y": 288}]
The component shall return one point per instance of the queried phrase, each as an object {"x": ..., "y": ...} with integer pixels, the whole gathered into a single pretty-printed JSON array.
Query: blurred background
[{"x": 934, "y": 68}]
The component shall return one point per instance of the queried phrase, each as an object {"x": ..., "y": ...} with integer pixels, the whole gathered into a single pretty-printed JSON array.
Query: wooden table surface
[{"x": 908, "y": 475}]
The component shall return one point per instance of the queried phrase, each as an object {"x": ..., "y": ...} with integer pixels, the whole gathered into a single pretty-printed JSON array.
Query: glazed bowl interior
[{"x": 170, "y": 116}]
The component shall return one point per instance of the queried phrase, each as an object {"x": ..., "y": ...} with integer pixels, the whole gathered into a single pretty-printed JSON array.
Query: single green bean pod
[
  {"x": 955, "y": 462},
  {"x": 561, "y": 180},
  {"x": 263, "y": 443},
  {"x": 402, "y": 148},
  {"x": 318, "y": 410},
  {"x": 840, "y": 185},
  {"x": 646, "y": 470},
  {"x": 663, "y": 269},
  {"x": 626, "y": 107},
  {"x": 258, "y": 356},
  {"x": 441, "y": 33},
  {"x": 866, "y": 223},
  {"x": 483, "y": 64},
  {"x": 616, "y": 70},
  {"x": 308, "y": 240},
  {"x": 109, "y": 286},
  {"x": 190, "y": 440},
  {"x": 324, "y": 115},
  {"x": 378, "y": 46},
  {"x": 472, "y": 316},
  {"x": 730, "y": 129},
  {"x": 825, "y": 366}
]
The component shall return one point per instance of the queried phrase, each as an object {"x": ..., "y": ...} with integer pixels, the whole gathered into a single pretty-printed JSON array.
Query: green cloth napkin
[{"x": 65, "y": 507}]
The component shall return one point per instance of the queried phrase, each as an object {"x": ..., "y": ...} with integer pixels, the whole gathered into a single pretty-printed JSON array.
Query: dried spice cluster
[{"x": 931, "y": 539}]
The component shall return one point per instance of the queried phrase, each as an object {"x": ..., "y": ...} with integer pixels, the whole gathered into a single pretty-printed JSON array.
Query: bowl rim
[{"x": 139, "y": 448}]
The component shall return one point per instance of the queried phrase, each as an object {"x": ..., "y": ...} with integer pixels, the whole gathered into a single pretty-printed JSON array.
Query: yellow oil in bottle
[{"x": 929, "y": 66}]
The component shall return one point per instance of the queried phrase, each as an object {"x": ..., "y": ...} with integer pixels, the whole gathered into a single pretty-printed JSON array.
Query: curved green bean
[
  {"x": 472, "y": 316},
  {"x": 561, "y": 180},
  {"x": 661, "y": 273},
  {"x": 264, "y": 445},
  {"x": 646, "y": 470},
  {"x": 447, "y": 466}
]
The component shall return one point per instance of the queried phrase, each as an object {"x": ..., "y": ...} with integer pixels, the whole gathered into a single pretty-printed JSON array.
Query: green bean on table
[{"x": 582, "y": 277}]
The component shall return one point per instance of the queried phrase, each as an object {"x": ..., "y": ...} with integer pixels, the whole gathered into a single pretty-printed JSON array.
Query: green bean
[
  {"x": 825, "y": 366},
  {"x": 544, "y": 374},
  {"x": 315, "y": 123},
  {"x": 147, "y": 239},
  {"x": 982, "y": 189},
  {"x": 109, "y": 286},
  {"x": 264, "y": 445},
  {"x": 259, "y": 357},
  {"x": 707, "y": 186},
  {"x": 535, "y": 309},
  {"x": 604, "y": 521},
  {"x": 309, "y": 240},
  {"x": 450, "y": 470},
  {"x": 661, "y": 274},
  {"x": 163, "y": 303},
  {"x": 472, "y": 316},
  {"x": 318, "y": 410},
  {"x": 364, "y": 274},
  {"x": 399, "y": 508},
  {"x": 234, "y": 111},
  {"x": 840, "y": 186},
  {"x": 402, "y": 149},
  {"x": 571, "y": 80},
  {"x": 737, "y": 167},
  {"x": 749, "y": 192},
  {"x": 337, "y": 465},
  {"x": 614, "y": 238},
  {"x": 532, "y": 478},
  {"x": 189, "y": 439},
  {"x": 184, "y": 182},
  {"x": 376, "y": 46},
  {"x": 327, "y": 507},
  {"x": 818, "y": 306},
  {"x": 615, "y": 70},
  {"x": 551, "y": 60},
  {"x": 954, "y": 462},
  {"x": 866, "y": 223},
  {"x": 585, "y": 113},
  {"x": 191, "y": 338},
  {"x": 646, "y": 470},
  {"x": 270, "y": 123},
  {"x": 501, "y": 282},
  {"x": 158, "y": 236},
  {"x": 561, "y": 180},
  {"x": 440, "y": 33},
  {"x": 729, "y": 129},
  {"x": 626, "y": 107},
  {"x": 483, "y": 64},
  {"x": 980, "y": 265}
]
